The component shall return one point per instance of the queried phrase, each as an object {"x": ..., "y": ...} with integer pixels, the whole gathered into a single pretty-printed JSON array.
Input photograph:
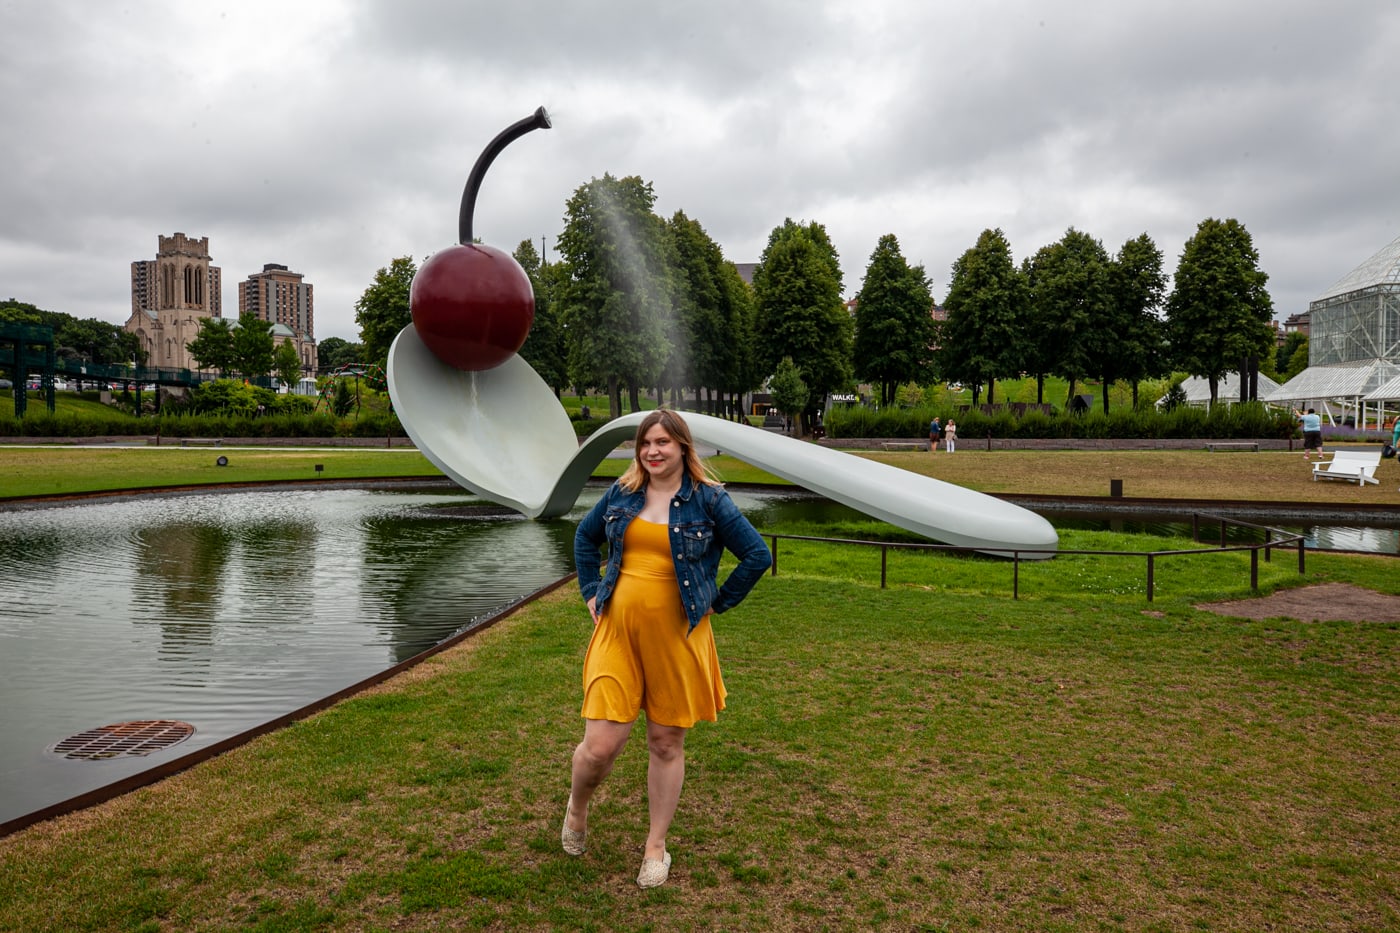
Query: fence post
[
  {"x": 1254, "y": 569},
  {"x": 774, "y": 572},
  {"x": 1150, "y": 569},
  {"x": 884, "y": 551},
  {"x": 1015, "y": 574},
  {"x": 1300, "y": 554}
]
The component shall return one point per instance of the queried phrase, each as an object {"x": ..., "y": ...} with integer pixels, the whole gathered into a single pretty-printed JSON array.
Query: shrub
[{"x": 1250, "y": 419}]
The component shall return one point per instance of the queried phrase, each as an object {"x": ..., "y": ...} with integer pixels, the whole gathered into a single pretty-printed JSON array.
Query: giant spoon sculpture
[{"x": 485, "y": 418}]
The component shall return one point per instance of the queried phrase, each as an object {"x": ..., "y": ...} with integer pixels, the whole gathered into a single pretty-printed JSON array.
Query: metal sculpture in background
[{"x": 485, "y": 418}]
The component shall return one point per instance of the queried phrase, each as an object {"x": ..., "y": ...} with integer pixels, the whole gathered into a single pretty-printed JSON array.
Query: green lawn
[
  {"x": 930, "y": 756},
  {"x": 933, "y": 756},
  {"x": 64, "y": 470}
]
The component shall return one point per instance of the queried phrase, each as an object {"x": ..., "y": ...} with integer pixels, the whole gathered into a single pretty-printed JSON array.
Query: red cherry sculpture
[{"x": 473, "y": 305}]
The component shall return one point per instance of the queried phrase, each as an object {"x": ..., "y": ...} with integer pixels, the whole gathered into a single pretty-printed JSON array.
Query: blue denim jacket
[{"x": 704, "y": 522}]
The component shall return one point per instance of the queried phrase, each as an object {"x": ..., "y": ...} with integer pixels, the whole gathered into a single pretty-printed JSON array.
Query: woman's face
[{"x": 660, "y": 454}]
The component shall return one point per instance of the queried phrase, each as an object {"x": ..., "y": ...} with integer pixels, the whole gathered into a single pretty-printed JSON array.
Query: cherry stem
[{"x": 539, "y": 120}]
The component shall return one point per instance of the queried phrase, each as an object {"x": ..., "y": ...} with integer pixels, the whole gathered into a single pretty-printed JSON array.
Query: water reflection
[
  {"x": 424, "y": 578},
  {"x": 226, "y": 610}
]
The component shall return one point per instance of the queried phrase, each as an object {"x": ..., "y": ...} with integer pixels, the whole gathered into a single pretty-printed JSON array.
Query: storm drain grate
[{"x": 140, "y": 737}]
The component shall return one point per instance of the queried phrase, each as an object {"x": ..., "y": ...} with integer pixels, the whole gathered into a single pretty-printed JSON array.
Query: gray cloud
[{"x": 333, "y": 137}]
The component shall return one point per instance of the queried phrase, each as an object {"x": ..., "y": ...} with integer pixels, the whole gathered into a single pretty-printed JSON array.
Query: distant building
[
  {"x": 170, "y": 295},
  {"x": 281, "y": 297},
  {"x": 1353, "y": 345}
]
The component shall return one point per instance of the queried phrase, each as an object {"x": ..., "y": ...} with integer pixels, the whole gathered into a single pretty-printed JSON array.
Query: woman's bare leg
[
  {"x": 602, "y": 742},
  {"x": 665, "y": 775}
]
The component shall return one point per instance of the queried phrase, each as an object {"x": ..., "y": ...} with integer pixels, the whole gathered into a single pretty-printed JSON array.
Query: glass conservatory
[{"x": 1353, "y": 345}]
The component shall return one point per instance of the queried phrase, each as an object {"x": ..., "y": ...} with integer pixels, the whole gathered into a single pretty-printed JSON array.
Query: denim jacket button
[
  {"x": 676, "y": 530},
  {"x": 685, "y": 583}
]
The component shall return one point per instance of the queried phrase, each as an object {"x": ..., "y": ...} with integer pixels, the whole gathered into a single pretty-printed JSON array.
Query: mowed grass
[
  {"x": 64, "y": 470},
  {"x": 1268, "y": 476},
  {"x": 931, "y": 756}
]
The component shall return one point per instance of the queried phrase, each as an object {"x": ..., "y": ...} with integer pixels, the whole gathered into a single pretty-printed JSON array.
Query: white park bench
[{"x": 1350, "y": 465}]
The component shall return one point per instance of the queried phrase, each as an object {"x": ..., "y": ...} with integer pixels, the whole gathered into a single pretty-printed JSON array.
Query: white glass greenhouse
[{"x": 1353, "y": 346}]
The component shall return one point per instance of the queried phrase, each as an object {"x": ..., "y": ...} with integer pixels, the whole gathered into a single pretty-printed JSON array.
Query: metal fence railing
[{"x": 1273, "y": 539}]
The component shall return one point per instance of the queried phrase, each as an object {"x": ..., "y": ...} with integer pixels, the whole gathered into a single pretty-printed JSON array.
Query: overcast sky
[{"x": 332, "y": 137}]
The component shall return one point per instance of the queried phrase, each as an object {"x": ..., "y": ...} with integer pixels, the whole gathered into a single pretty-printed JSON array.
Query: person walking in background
[
  {"x": 934, "y": 432},
  {"x": 950, "y": 436},
  {"x": 666, "y": 523},
  {"x": 1311, "y": 424}
]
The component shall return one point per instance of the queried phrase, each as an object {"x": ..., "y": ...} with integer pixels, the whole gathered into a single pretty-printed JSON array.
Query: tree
[
  {"x": 1139, "y": 286},
  {"x": 618, "y": 301},
  {"x": 544, "y": 346},
  {"x": 382, "y": 311},
  {"x": 1219, "y": 313},
  {"x": 343, "y": 401},
  {"x": 252, "y": 346},
  {"x": 94, "y": 341},
  {"x": 894, "y": 330},
  {"x": 986, "y": 304},
  {"x": 326, "y": 349},
  {"x": 1282, "y": 364},
  {"x": 737, "y": 369},
  {"x": 212, "y": 347},
  {"x": 22, "y": 312},
  {"x": 695, "y": 338},
  {"x": 1297, "y": 362},
  {"x": 1071, "y": 304},
  {"x": 799, "y": 311},
  {"x": 286, "y": 364},
  {"x": 714, "y": 318},
  {"x": 790, "y": 394}
]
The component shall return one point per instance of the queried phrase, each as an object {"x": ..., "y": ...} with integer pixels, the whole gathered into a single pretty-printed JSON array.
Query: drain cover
[{"x": 140, "y": 737}]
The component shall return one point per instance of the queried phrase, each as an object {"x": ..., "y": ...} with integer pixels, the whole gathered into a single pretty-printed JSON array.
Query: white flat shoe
[
  {"x": 654, "y": 872},
  {"x": 574, "y": 841}
]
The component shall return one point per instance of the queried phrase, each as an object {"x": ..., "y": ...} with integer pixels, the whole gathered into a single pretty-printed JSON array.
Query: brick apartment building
[{"x": 282, "y": 298}]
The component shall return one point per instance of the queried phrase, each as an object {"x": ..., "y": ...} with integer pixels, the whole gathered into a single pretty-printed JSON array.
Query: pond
[{"x": 226, "y": 610}]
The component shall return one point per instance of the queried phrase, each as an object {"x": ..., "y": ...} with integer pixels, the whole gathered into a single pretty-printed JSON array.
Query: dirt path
[{"x": 1324, "y": 602}]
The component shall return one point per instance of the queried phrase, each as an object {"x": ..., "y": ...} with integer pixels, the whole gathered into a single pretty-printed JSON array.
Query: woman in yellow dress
[{"x": 666, "y": 522}]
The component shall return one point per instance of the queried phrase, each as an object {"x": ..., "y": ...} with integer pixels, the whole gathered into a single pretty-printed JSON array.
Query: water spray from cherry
[{"x": 472, "y": 304}]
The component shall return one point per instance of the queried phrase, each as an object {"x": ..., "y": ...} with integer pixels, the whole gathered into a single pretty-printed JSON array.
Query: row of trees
[
  {"x": 1073, "y": 311},
  {"x": 636, "y": 301},
  {"x": 86, "y": 340}
]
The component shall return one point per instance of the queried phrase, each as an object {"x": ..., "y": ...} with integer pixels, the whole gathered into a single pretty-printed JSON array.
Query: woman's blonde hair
[{"x": 673, "y": 424}]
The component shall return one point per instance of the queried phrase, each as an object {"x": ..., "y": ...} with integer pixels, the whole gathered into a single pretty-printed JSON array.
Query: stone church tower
[{"x": 170, "y": 295}]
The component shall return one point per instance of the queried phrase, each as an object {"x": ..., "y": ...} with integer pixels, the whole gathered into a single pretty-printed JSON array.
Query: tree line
[
  {"x": 637, "y": 302},
  {"x": 84, "y": 340}
]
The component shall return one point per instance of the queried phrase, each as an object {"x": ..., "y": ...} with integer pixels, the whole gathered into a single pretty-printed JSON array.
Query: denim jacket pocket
[{"x": 697, "y": 539}]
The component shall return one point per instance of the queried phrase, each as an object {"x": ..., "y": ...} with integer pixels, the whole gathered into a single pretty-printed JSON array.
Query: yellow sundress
[{"x": 639, "y": 656}]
